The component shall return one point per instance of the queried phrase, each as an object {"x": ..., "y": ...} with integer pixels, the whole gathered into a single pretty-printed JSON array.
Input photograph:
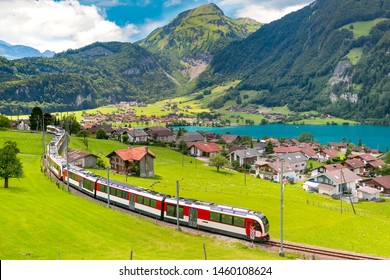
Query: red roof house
[
  {"x": 203, "y": 149},
  {"x": 138, "y": 161}
]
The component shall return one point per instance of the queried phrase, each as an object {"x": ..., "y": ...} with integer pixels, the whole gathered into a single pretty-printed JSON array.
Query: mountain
[
  {"x": 190, "y": 40},
  {"x": 332, "y": 56},
  {"x": 91, "y": 76},
  {"x": 19, "y": 51}
]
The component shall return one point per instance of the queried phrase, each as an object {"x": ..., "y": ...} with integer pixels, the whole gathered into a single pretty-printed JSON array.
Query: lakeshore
[{"x": 375, "y": 137}]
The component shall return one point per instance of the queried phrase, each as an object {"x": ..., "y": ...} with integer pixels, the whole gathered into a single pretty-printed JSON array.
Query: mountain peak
[{"x": 207, "y": 9}]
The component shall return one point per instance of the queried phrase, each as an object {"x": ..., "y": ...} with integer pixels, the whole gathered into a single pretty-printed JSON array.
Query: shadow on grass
[
  {"x": 14, "y": 189},
  {"x": 222, "y": 172}
]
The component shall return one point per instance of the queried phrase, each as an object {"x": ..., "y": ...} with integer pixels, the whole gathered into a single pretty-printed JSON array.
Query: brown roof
[
  {"x": 206, "y": 147},
  {"x": 338, "y": 144},
  {"x": 366, "y": 157},
  {"x": 342, "y": 176},
  {"x": 228, "y": 138},
  {"x": 331, "y": 153},
  {"x": 384, "y": 181},
  {"x": 76, "y": 155},
  {"x": 355, "y": 163},
  {"x": 130, "y": 154},
  {"x": 158, "y": 131},
  {"x": 376, "y": 163},
  {"x": 333, "y": 166},
  {"x": 368, "y": 190},
  {"x": 284, "y": 150}
]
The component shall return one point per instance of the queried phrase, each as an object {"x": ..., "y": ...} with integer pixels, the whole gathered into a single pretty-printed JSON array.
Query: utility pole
[
  {"x": 177, "y": 204},
  {"x": 281, "y": 252},
  {"x": 108, "y": 187},
  {"x": 43, "y": 139},
  {"x": 67, "y": 155}
]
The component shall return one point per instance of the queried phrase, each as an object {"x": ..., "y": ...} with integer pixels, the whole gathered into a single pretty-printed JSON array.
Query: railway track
[
  {"x": 310, "y": 251},
  {"x": 322, "y": 253}
]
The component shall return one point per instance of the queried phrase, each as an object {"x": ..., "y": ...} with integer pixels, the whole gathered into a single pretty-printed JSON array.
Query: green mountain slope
[
  {"x": 302, "y": 61},
  {"x": 190, "y": 40},
  {"x": 97, "y": 74}
]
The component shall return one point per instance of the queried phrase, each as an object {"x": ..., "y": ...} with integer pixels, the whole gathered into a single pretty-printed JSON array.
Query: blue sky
[{"x": 62, "y": 24}]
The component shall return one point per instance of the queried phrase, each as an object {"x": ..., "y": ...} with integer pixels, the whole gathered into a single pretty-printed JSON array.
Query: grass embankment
[{"x": 40, "y": 221}]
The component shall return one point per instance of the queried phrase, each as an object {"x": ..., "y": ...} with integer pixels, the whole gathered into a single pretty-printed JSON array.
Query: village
[{"x": 337, "y": 169}]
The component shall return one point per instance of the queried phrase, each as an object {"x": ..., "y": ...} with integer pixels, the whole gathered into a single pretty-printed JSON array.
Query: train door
[
  {"x": 81, "y": 182},
  {"x": 132, "y": 201},
  {"x": 193, "y": 217}
]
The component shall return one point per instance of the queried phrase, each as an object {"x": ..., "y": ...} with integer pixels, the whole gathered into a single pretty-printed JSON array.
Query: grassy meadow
[{"x": 39, "y": 220}]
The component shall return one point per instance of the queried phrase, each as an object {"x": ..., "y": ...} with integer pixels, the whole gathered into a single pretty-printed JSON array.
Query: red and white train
[{"x": 223, "y": 219}]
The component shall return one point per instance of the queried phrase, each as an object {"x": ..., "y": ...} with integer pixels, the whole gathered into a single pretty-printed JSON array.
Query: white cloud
[
  {"x": 265, "y": 14},
  {"x": 57, "y": 26},
  {"x": 170, "y": 3}
]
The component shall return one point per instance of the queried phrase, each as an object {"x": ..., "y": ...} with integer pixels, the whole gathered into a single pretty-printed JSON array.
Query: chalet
[
  {"x": 202, "y": 149},
  {"x": 297, "y": 160},
  {"x": 271, "y": 170},
  {"x": 381, "y": 183},
  {"x": 327, "y": 168},
  {"x": 343, "y": 180},
  {"x": 160, "y": 133},
  {"x": 375, "y": 164},
  {"x": 246, "y": 156},
  {"x": 228, "y": 138},
  {"x": 327, "y": 154},
  {"x": 93, "y": 128},
  {"x": 339, "y": 146},
  {"x": 365, "y": 157},
  {"x": 355, "y": 165},
  {"x": 137, "y": 135},
  {"x": 82, "y": 159},
  {"x": 139, "y": 161},
  {"x": 190, "y": 137},
  {"x": 321, "y": 188},
  {"x": 357, "y": 150},
  {"x": 285, "y": 150},
  {"x": 309, "y": 152}
]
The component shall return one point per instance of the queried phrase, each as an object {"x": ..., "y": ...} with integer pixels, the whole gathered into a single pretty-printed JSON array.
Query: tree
[
  {"x": 387, "y": 158},
  {"x": 101, "y": 134},
  {"x": 10, "y": 164},
  {"x": 183, "y": 148},
  {"x": 269, "y": 149},
  {"x": 70, "y": 124},
  {"x": 4, "y": 122},
  {"x": 36, "y": 118},
  {"x": 218, "y": 161}
]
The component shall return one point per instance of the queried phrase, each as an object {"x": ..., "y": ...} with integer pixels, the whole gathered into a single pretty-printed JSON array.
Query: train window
[
  {"x": 215, "y": 217},
  {"x": 227, "y": 219},
  {"x": 257, "y": 225},
  {"x": 88, "y": 185},
  {"x": 237, "y": 221},
  {"x": 171, "y": 211},
  {"x": 153, "y": 203},
  {"x": 73, "y": 176},
  {"x": 140, "y": 199},
  {"x": 103, "y": 188},
  {"x": 146, "y": 201},
  {"x": 124, "y": 195}
]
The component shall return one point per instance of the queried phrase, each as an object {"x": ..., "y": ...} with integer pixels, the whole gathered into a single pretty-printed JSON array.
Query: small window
[
  {"x": 171, "y": 210},
  {"x": 239, "y": 222},
  {"x": 140, "y": 199},
  {"x": 227, "y": 219},
  {"x": 215, "y": 217},
  {"x": 153, "y": 203},
  {"x": 146, "y": 201},
  {"x": 103, "y": 188}
]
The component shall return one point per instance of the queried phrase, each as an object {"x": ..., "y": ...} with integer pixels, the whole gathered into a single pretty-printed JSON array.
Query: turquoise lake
[{"x": 375, "y": 137}]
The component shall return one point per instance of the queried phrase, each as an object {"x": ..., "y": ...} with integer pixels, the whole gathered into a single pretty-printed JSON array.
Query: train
[{"x": 227, "y": 220}]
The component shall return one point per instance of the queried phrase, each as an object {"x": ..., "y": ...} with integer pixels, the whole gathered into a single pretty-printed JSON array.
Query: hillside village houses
[{"x": 362, "y": 162}]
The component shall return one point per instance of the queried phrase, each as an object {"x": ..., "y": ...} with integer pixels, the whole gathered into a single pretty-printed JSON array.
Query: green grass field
[
  {"x": 362, "y": 28},
  {"x": 39, "y": 220}
]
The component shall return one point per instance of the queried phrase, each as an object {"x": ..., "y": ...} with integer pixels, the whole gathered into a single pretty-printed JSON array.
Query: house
[
  {"x": 321, "y": 188},
  {"x": 355, "y": 165},
  {"x": 343, "y": 180},
  {"x": 82, "y": 159},
  {"x": 368, "y": 193},
  {"x": 139, "y": 161},
  {"x": 203, "y": 149},
  {"x": 271, "y": 170},
  {"x": 365, "y": 157},
  {"x": 190, "y": 137},
  {"x": 327, "y": 168},
  {"x": 372, "y": 165},
  {"x": 160, "y": 133},
  {"x": 285, "y": 150},
  {"x": 297, "y": 160},
  {"x": 339, "y": 146},
  {"x": 246, "y": 156},
  {"x": 137, "y": 135},
  {"x": 380, "y": 183},
  {"x": 327, "y": 154},
  {"x": 309, "y": 152},
  {"x": 228, "y": 138},
  {"x": 95, "y": 127}
]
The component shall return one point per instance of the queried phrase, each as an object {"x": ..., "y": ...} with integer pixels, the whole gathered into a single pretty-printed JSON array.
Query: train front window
[
  {"x": 256, "y": 225},
  {"x": 265, "y": 223}
]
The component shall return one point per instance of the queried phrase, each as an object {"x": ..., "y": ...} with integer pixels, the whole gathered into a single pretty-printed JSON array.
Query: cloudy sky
[{"x": 58, "y": 25}]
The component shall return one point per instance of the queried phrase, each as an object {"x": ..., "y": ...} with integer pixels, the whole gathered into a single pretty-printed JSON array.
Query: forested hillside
[
  {"x": 305, "y": 60},
  {"x": 95, "y": 75}
]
